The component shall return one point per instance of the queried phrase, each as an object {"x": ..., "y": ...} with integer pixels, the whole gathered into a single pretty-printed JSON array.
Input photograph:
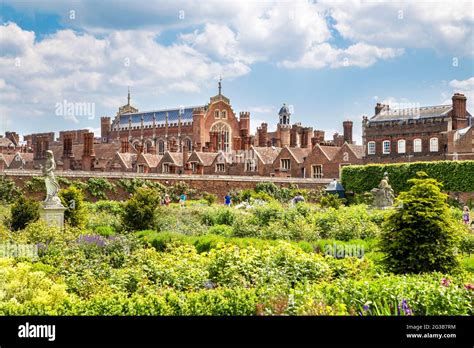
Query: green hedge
[{"x": 455, "y": 175}]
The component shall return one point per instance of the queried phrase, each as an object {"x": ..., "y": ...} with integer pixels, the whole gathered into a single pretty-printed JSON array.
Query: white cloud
[
  {"x": 84, "y": 68},
  {"x": 465, "y": 87},
  {"x": 358, "y": 55},
  {"x": 446, "y": 26}
]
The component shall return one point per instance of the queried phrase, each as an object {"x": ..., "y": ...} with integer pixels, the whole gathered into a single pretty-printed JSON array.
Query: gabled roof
[
  {"x": 267, "y": 154},
  {"x": 127, "y": 159},
  {"x": 299, "y": 153},
  {"x": 329, "y": 151},
  {"x": 8, "y": 159},
  {"x": 206, "y": 158},
  {"x": 414, "y": 113},
  {"x": 358, "y": 150},
  {"x": 5, "y": 142},
  {"x": 152, "y": 160},
  {"x": 174, "y": 157}
]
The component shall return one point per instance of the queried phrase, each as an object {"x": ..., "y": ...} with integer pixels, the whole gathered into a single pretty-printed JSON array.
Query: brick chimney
[
  {"x": 68, "y": 155},
  {"x": 124, "y": 145},
  {"x": 105, "y": 128},
  {"x": 460, "y": 119},
  {"x": 262, "y": 134},
  {"x": 88, "y": 154},
  {"x": 347, "y": 125},
  {"x": 41, "y": 145}
]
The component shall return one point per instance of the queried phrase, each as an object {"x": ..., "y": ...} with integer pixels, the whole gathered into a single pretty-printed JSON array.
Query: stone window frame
[
  {"x": 415, "y": 142},
  {"x": 432, "y": 148},
  {"x": 224, "y": 114},
  {"x": 217, "y": 114},
  {"x": 313, "y": 172},
  {"x": 369, "y": 152},
  {"x": 194, "y": 166},
  {"x": 389, "y": 147},
  {"x": 404, "y": 142},
  {"x": 250, "y": 168},
  {"x": 166, "y": 165},
  {"x": 217, "y": 167},
  {"x": 287, "y": 161}
]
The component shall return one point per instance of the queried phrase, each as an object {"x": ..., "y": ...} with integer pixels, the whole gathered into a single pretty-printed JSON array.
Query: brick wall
[{"x": 215, "y": 184}]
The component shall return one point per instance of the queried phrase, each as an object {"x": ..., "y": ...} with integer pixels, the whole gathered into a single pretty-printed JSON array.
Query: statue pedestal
[{"x": 53, "y": 215}]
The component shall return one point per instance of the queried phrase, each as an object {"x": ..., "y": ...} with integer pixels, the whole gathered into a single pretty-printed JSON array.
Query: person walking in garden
[
  {"x": 227, "y": 200},
  {"x": 465, "y": 215},
  {"x": 298, "y": 198},
  {"x": 182, "y": 199},
  {"x": 167, "y": 200}
]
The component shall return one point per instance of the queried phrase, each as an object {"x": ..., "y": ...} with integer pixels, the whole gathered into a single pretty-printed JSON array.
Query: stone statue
[
  {"x": 52, "y": 186},
  {"x": 383, "y": 195}
]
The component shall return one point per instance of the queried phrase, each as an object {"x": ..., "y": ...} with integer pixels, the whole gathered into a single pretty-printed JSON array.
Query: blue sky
[{"x": 331, "y": 60}]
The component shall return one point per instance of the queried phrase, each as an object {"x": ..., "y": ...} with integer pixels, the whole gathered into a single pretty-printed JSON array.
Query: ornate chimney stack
[
  {"x": 460, "y": 119},
  {"x": 347, "y": 125},
  {"x": 88, "y": 154},
  {"x": 68, "y": 155}
]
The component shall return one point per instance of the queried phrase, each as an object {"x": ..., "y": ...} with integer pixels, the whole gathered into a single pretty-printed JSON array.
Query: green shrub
[
  {"x": 35, "y": 184},
  {"x": 330, "y": 201},
  {"x": 139, "y": 211},
  {"x": 209, "y": 198},
  {"x": 23, "y": 212},
  {"x": 420, "y": 235},
  {"x": 98, "y": 187},
  {"x": 452, "y": 174},
  {"x": 104, "y": 231},
  {"x": 221, "y": 230},
  {"x": 8, "y": 190},
  {"x": 73, "y": 199}
]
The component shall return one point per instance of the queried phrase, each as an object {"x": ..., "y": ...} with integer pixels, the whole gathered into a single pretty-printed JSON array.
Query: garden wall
[{"x": 218, "y": 185}]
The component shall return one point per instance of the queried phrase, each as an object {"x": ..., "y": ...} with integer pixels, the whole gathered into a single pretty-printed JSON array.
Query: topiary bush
[
  {"x": 23, "y": 212},
  {"x": 139, "y": 211},
  {"x": 73, "y": 199},
  {"x": 421, "y": 235}
]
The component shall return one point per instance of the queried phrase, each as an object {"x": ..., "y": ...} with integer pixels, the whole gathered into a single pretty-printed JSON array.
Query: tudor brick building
[
  {"x": 212, "y": 127},
  {"x": 427, "y": 133}
]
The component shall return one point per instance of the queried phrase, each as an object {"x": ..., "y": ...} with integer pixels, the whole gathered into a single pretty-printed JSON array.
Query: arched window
[
  {"x": 417, "y": 145},
  {"x": 161, "y": 147},
  {"x": 148, "y": 146},
  {"x": 386, "y": 147},
  {"x": 371, "y": 148},
  {"x": 189, "y": 144},
  {"x": 401, "y": 146},
  {"x": 434, "y": 145},
  {"x": 220, "y": 135},
  {"x": 216, "y": 114}
]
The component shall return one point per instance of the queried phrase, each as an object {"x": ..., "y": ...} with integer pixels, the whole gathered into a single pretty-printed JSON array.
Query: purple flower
[
  {"x": 469, "y": 286},
  {"x": 93, "y": 239},
  {"x": 406, "y": 309},
  {"x": 366, "y": 307},
  {"x": 445, "y": 282}
]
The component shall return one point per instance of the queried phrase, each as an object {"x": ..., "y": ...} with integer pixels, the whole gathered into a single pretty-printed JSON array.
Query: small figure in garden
[
  {"x": 298, "y": 198},
  {"x": 182, "y": 199},
  {"x": 465, "y": 215},
  {"x": 167, "y": 200},
  {"x": 227, "y": 200},
  {"x": 383, "y": 195},
  {"x": 52, "y": 185}
]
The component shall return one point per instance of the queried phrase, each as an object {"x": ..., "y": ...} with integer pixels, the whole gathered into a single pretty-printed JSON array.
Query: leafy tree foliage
[
  {"x": 421, "y": 235},
  {"x": 139, "y": 211},
  {"x": 73, "y": 199},
  {"x": 23, "y": 211}
]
